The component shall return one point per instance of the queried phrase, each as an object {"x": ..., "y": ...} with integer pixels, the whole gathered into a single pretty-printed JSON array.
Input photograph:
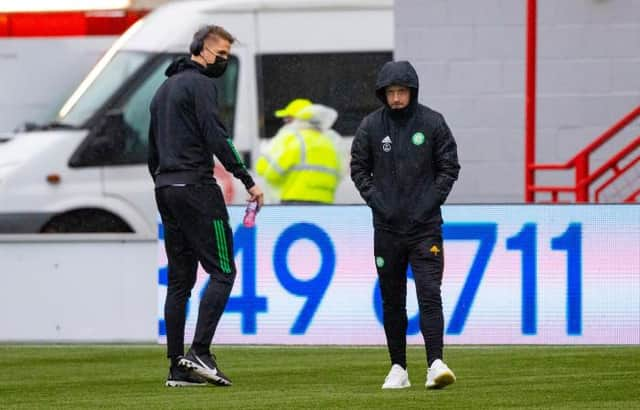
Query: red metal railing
[
  {"x": 617, "y": 173},
  {"x": 583, "y": 177},
  {"x": 530, "y": 99},
  {"x": 633, "y": 197}
]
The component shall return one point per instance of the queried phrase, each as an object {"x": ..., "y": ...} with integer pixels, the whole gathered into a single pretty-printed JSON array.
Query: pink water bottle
[{"x": 250, "y": 214}]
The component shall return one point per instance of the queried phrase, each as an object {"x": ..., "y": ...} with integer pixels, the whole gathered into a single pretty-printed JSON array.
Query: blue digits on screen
[
  {"x": 486, "y": 234},
  {"x": 571, "y": 241},
  {"x": 248, "y": 304},
  {"x": 414, "y": 323},
  {"x": 314, "y": 288},
  {"x": 163, "y": 279},
  {"x": 525, "y": 241}
]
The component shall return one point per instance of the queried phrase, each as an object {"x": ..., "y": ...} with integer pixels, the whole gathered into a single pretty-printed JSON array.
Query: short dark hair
[{"x": 208, "y": 31}]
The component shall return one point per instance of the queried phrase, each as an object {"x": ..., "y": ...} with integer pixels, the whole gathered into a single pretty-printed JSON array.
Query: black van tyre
[{"x": 86, "y": 221}]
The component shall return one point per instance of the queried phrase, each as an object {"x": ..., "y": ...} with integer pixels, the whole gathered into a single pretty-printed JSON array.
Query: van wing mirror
[
  {"x": 106, "y": 142},
  {"x": 111, "y": 133}
]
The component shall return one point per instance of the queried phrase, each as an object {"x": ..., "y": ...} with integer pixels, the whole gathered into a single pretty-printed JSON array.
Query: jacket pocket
[
  {"x": 379, "y": 207},
  {"x": 426, "y": 205}
]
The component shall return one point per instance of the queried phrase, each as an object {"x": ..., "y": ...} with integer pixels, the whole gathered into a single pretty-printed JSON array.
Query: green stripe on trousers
[{"x": 221, "y": 241}]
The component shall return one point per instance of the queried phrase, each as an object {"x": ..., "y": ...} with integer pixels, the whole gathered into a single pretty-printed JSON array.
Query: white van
[{"x": 86, "y": 170}]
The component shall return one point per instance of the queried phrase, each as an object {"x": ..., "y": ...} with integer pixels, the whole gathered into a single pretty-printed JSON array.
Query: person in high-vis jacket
[
  {"x": 184, "y": 135},
  {"x": 302, "y": 162},
  {"x": 404, "y": 162}
]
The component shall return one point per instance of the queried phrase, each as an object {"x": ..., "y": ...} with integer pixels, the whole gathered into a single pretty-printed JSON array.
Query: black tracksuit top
[
  {"x": 185, "y": 131},
  {"x": 404, "y": 162}
]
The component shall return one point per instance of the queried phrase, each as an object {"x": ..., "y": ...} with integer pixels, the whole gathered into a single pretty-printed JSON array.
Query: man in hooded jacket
[
  {"x": 184, "y": 135},
  {"x": 404, "y": 162}
]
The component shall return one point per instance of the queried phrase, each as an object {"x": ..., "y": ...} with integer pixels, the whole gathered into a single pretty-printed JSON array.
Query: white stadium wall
[
  {"x": 77, "y": 288},
  {"x": 470, "y": 56}
]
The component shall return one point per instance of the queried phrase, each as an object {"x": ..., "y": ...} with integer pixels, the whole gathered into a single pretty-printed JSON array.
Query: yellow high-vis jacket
[{"x": 303, "y": 164}]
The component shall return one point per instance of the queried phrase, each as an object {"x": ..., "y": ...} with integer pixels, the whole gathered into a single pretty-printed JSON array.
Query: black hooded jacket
[
  {"x": 404, "y": 162},
  {"x": 185, "y": 131}
]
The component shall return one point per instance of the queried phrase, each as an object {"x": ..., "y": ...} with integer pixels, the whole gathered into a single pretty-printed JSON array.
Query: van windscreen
[{"x": 100, "y": 84}]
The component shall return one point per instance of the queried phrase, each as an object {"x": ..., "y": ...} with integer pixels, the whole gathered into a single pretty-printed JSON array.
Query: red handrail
[
  {"x": 617, "y": 174},
  {"x": 633, "y": 196},
  {"x": 580, "y": 162},
  {"x": 613, "y": 162},
  {"x": 606, "y": 136}
]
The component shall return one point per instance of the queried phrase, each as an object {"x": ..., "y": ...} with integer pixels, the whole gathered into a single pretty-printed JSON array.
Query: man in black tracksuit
[
  {"x": 404, "y": 162},
  {"x": 184, "y": 135}
]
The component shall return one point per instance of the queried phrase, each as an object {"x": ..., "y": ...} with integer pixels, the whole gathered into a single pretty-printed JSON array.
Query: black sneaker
[
  {"x": 179, "y": 377},
  {"x": 204, "y": 365}
]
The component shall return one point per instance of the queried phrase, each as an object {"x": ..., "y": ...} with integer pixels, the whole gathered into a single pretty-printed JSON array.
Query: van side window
[
  {"x": 343, "y": 81},
  {"x": 227, "y": 87},
  {"x": 92, "y": 94},
  {"x": 137, "y": 117},
  {"x": 121, "y": 135},
  {"x": 136, "y": 108}
]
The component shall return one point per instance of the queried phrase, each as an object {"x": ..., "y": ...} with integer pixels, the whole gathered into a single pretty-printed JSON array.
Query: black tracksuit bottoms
[
  {"x": 393, "y": 253},
  {"x": 196, "y": 229}
]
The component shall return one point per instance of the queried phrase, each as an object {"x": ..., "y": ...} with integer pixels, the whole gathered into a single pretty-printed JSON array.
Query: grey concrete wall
[
  {"x": 470, "y": 54},
  {"x": 38, "y": 74}
]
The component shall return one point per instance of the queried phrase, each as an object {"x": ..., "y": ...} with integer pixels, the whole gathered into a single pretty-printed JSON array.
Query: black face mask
[{"x": 217, "y": 68}]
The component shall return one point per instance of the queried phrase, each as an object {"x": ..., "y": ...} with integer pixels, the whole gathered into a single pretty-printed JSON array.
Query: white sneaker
[
  {"x": 439, "y": 375},
  {"x": 398, "y": 378}
]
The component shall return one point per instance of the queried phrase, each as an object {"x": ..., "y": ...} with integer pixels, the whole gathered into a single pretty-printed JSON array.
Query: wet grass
[{"x": 132, "y": 376}]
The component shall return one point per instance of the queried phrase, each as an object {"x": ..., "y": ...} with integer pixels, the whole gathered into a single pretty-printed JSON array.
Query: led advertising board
[{"x": 514, "y": 274}]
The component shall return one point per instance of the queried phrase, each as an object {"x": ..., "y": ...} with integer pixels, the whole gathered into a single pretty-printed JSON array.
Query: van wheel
[{"x": 86, "y": 221}]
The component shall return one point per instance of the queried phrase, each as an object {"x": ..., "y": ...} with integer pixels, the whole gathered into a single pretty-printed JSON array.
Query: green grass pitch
[{"x": 132, "y": 376}]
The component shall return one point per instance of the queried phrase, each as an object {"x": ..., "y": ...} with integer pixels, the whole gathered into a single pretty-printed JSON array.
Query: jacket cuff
[{"x": 248, "y": 181}]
